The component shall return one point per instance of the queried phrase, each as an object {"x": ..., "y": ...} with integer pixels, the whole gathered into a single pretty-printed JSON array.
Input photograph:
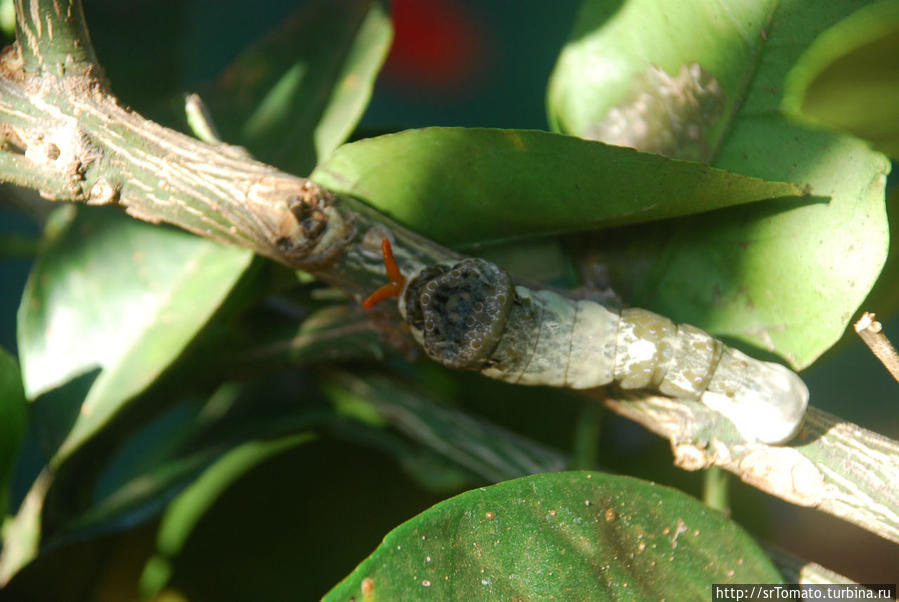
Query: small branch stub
[
  {"x": 871, "y": 332},
  {"x": 54, "y": 37}
]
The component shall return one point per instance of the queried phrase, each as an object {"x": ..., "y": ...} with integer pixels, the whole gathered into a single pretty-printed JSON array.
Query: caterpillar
[{"x": 470, "y": 315}]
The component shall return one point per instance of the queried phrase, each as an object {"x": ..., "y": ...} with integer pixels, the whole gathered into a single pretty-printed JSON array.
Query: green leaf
[
  {"x": 848, "y": 78},
  {"x": 460, "y": 185},
  {"x": 320, "y": 506},
  {"x": 8, "y": 18},
  {"x": 114, "y": 293},
  {"x": 136, "y": 480},
  {"x": 12, "y": 423},
  {"x": 577, "y": 535},
  {"x": 297, "y": 95},
  {"x": 631, "y": 56},
  {"x": 134, "y": 467},
  {"x": 336, "y": 332},
  {"x": 426, "y": 467},
  {"x": 22, "y": 534},
  {"x": 140, "y": 476},
  {"x": 184, "y": 512},
  {"x": 484, "y": 449},
  {"x": 787, "y": 281},
  {"x": 884, "y": 298},
  {"x": 138, "y": 464}
]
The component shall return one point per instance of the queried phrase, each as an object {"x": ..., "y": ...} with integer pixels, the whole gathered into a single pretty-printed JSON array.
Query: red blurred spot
[{"x": 437, "y": 45}]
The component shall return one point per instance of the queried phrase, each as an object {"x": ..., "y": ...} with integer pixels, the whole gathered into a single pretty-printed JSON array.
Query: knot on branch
[
  {"x": 300, "y": 220},
  {"x": 308, "y": 208},
  {"x": 66, "y": 150},
  {"x": 12, "y": 64}
]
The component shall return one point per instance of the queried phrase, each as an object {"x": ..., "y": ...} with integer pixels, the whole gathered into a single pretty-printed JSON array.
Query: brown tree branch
[
  {"x": 832, "y": 465},
  {"x": 70, "y": 139},
  {"x": 65, "y": 135}
]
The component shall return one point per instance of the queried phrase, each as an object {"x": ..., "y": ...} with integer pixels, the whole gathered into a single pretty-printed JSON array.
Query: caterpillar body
[{"x": 470, "y": 315}]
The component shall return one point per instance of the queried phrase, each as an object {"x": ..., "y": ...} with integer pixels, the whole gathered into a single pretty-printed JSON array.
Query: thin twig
[{"x": 871, "y": 332}]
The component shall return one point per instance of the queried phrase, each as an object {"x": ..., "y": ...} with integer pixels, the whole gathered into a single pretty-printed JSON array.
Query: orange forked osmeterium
[{"x": 394, "y": 288}]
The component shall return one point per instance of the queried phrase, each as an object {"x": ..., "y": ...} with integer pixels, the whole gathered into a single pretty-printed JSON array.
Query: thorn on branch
[{"x": 200, "y": 120}]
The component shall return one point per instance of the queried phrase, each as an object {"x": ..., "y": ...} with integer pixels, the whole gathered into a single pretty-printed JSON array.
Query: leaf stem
[
  {"x": 716, "y": 489},
  {"x": 585, "y": 452}
]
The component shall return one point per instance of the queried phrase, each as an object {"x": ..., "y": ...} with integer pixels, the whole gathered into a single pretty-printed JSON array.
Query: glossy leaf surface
[
  {"x": 122, "y": 296},
  {"x": 849, "y": 77},
  {"x": 298, "y": 94},
  {"x": 466, "y": 185},
  {"x": 786, "y": 281},
  {"x": 562, "y": 536}
]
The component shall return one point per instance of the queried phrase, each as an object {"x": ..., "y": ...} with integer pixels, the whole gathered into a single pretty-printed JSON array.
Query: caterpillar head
[{"x": 457, "y": 312}]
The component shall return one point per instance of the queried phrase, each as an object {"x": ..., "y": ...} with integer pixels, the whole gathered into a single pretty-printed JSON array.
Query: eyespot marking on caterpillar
[{"x": 394, "y": 288}]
